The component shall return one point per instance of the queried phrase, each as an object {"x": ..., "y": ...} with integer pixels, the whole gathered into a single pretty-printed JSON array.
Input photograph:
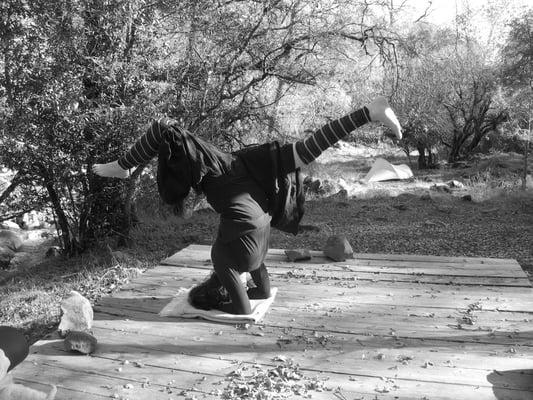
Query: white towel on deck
[{"x": 179, "y": 306}]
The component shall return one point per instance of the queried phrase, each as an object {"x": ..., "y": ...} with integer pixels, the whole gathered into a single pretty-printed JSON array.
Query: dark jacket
[
  {"x": 272, "y": 167},
  {"x": 184, "y": 161}
]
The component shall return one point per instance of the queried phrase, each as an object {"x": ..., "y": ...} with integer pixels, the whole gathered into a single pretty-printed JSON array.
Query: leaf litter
[{"x": 282, "y": 381}]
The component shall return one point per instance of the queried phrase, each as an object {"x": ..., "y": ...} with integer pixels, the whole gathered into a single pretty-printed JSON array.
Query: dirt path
[{"x": 33, "y": 251}]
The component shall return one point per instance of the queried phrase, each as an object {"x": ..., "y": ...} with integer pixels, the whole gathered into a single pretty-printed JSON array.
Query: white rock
[{"x": 77, "y": 314}]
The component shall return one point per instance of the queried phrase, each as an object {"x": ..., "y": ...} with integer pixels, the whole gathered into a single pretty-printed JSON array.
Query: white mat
[{"x": 179, "y": 306}]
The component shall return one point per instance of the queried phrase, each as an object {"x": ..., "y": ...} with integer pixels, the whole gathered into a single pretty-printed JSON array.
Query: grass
[{"x": 392, "y": 217}]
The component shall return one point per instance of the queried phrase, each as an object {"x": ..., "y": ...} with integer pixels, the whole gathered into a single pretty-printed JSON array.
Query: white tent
[{"x": 382, "y": 170}]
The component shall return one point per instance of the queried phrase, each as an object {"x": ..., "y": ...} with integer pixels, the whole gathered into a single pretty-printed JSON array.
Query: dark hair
[{"x": 208, "y": 294}]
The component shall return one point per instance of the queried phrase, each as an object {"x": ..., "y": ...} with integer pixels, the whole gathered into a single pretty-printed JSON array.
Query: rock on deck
[{"x": 379, "y": 326}]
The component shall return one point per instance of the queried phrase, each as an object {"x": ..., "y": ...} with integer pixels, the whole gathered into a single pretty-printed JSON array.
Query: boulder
[
  {"x": 337, "y": 248},
  {"x": 298, "y": 254},
  {"x": 454, "y": 184},
  {"x": 53, "y": 251},
  {"x": 81, "y": 342},
  {"x": 426, "y": 197},
  {"x": 9, "y": 225},
  {"x": 10, "y": 239},
  {"x": 77, "y": 314},
  {"x": 441, "y": 187}
]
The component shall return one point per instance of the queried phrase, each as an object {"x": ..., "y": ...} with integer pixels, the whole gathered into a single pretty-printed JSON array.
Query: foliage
[
  {"x": 57, "y": 116},
  {"x": 420, "y": 93},
  {"x": 449, "y": 94},
  {"x": 471, "y": 103},
  {"x": 80, "y": 79}
]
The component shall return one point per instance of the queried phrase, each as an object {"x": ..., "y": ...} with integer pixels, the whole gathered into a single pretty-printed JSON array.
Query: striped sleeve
[
  {"x": 147, "y": 147},
  {"x": 312, "y": 146}
]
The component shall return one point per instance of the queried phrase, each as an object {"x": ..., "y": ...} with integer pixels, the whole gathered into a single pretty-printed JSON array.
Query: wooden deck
[{"x": 375, "y": 327}]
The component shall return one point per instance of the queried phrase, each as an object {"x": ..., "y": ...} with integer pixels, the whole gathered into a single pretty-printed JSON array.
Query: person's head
[{"x": 208, "y": 294}]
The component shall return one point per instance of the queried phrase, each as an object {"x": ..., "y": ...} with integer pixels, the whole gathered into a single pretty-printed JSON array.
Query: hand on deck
[
  {"x": 111, "y": 170},
  {"x": 380, "y": 110}
]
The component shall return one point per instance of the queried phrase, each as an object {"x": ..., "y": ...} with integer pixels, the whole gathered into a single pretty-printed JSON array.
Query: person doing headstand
[{"x": 243, "y": 235}]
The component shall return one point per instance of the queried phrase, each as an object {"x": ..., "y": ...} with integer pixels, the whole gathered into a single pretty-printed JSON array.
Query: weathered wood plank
[
  {"x": 323, "y": 351},
  {"x": 200, "y": 258},
  {"x": 172, "y": 354},
  {"x": 386, "y": 326},
  {"x": 378, "y": 326},
  {"x": 378, "y": 258},
  {"x": 319, "y": 272},
  {"x": 375, "y": 256},
  {"x": 365, "y": 292}
]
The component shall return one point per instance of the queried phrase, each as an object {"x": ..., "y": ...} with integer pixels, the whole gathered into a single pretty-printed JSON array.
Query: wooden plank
[
  {"x": 470, "y": 319},
  {"x": 348, "y": 322},
  {"x": 367, "y": 292},
  {"x": 366, "y": 328},
  {"x": 320, "y": 351},
  {"x": 411, "y": 258},
  {"x": 163, "y": 355},
  {"x": 345, "y": 273},
  {"x": 102, "y": 376},
  {"x": 63, "y": 393},
  {"x": 199, "y": 258}
]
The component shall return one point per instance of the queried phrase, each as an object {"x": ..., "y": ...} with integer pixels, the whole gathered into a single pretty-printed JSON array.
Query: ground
[{"x": 402, "y": 217}]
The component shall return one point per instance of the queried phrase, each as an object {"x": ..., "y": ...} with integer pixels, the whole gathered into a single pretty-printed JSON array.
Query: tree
[
  {"x": 79, "y": 80},
  {"x": 470, "y": 103},
  {"x": 420, "y": 92},
  {"x": 62, "y": 89},
  {"x": 517, "y": 56}
]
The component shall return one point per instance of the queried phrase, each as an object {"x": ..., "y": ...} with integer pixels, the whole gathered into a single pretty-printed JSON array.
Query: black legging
[{"x": 244, "y": 254}]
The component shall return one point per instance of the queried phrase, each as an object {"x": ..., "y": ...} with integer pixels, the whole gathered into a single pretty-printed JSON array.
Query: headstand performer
[{"x": 243, "y": 234}]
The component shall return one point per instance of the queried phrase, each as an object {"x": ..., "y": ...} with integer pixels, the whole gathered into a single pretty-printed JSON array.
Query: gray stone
[
  {"x": 441, "y": 187},
  {"x": 467, "y": 197},
  {"x": 337, "y": 248},
  {"x": 298, "y": 254},
  {"x": 9, "y": 225},
  {"x": 77, "y": 314},
  {"x": 455, "y": 184},
  {"x": 53, "y": 251},
  {"x": 10, "y": 239},
  {"x": 425, "y": 197},
  {"x": 81, "y": 342}
]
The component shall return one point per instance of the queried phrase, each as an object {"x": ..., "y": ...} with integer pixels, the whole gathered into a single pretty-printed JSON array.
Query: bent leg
[
  {"x": 231, "y": 280},
  {"x": 244, "y": 254},
  {"x": 262, "y": 283},
  {"x": 224, "y": 265}
]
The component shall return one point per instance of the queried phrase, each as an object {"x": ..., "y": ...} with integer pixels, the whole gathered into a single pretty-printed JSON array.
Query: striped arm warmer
[
  {"x": 312, "y": 146},
  {"x": 147, "y": 147}
]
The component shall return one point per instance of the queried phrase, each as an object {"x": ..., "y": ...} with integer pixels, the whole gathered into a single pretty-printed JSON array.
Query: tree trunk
[
  {"x": 12, "y": 186},
  {"x": 130, "y": 215},
  {"x": 70, "y": 244},
  {"x": 422, "y": 160}
]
